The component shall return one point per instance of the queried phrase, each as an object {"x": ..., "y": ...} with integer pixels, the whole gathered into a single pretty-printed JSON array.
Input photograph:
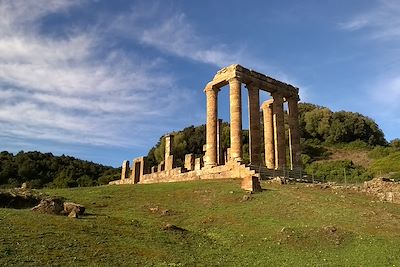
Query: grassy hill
[{"x": 290, "y": 225}]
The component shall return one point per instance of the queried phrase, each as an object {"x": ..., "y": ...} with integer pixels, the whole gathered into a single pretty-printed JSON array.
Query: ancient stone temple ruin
[{"x": 228, "y": 164}]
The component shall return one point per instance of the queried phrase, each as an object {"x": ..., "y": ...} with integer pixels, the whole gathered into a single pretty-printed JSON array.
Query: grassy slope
[{"x": 281, "y": 226}]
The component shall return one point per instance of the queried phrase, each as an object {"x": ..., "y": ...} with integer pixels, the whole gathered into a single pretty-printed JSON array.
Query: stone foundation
[{"x": 230, "y": 170}]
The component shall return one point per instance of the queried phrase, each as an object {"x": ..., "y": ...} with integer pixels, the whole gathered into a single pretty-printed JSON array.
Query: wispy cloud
[
  {"x": 72, "y": 89},
  {"x": 381, "y": 22},
  {"x": 172, "y": 33}
]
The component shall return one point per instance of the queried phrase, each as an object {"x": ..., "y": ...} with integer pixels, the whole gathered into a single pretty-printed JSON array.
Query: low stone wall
[
  {"x": 384, "y": 189},
  {"x": 229, "y": 170}
]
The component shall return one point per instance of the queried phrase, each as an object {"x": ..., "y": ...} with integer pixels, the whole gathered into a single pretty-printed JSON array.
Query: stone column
[
  {"x": 236, "y": 119},
  {"x": 279, "y": 132},
  {"x": 294, "y": 135},
  {"x": 254, "y": 125},
  {"x": 168, "y": 157},
  {"x": 269, "y": 134},
  {"x": 220, "y": 152},
  {"x": 211, "y": 127}
]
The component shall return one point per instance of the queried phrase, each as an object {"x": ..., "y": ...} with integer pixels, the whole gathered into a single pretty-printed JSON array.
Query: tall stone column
[
  {"x": 235, "y": 96},
  {"x": 294, "y": 134},
  {"x": 211, "y": 127},
  {"x": 254, "y": 125},
  {"x": 168, "y": 157},
  {"x": 220, "y": 152},
  {"x": 279, "y": 132},
  {"x": 269, "y": 134}
]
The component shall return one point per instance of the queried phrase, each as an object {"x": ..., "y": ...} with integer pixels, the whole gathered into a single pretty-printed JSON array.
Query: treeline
[
  {"x": 321, "y": 129},
  {"x": 46, "y": 170},
  {"x": 318, "y": 125}
]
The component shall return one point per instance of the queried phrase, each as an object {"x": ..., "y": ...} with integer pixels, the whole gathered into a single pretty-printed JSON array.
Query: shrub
[
  {"x": 338, "y": 171},
  {"x": 386, "y": 165}
]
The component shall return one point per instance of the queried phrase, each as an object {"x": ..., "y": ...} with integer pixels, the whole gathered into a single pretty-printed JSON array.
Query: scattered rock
[
  {"x": 70, "y": 207},
  {"x": 50, "y": 206},
  {"x": 278, "y": 180},
  {"x": 57, "y": 206},
  {"x": 153, "y": 209},
  {"x": 73, "y": 214},
  {"x": 383, "y": 188},
  {"x": 325, "y": 186},
  {"x": 165, "y": 212},
  {"x": 246, "y": 198}
]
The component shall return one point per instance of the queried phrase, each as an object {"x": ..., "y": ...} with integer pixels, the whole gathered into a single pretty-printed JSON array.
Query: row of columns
[{"x": 274, "y": 127}]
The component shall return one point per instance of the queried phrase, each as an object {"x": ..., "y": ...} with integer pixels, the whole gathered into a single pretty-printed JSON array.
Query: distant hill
[{"x": 46, "y": 170}]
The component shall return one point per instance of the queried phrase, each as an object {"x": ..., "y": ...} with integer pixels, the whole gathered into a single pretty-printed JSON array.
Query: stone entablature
[{"x": 257, "y": 79}]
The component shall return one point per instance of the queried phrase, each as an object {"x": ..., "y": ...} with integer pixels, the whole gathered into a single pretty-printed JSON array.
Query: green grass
[
  {"x": 282, "y": 226},
  {"x": 387, "y": 164}
]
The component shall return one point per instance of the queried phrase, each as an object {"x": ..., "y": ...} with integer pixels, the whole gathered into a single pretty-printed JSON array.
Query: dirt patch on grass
[
  {"x": 358, "y": 157},
  {"x": 328, "y": 235}
]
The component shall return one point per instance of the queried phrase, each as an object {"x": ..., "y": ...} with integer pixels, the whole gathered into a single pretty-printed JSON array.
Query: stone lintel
[{"x": 247, "y": 76}]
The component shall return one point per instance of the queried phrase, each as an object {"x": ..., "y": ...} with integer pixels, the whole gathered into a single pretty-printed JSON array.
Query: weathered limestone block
[
  {"x": 73, "y": 210},
  {"x": 125, "y": 170},
  {"x": 251, "y": 183},
  {"x": 168, "y": 158},
  {"x": 189, "y": 162},
  {"x": 227, "y": 155},
  {"x": 198, "y": 164},
  {"x": 161, "y": 166},
  {"x": 153, "y": 169},
  {"x": 138, "y": 169},
  {"x": 169, "y": 163}
]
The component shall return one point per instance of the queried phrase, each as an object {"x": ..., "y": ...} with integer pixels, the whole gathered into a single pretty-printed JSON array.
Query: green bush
[
  {"x": 84, "y": 180},
  {"x": 338, "y": 171}
]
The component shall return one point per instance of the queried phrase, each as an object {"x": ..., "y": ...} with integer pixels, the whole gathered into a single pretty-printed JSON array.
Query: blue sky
[{"x": 103, "y": 80}]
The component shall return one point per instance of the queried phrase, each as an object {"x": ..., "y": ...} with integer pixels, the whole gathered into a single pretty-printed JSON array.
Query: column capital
[
  {"x": 267, "y": 104},
  {"x": 234, "y": 80},
  {"x": 293, "y": 98},
  {"x": 278, "y": 98},
  {"x": 251, "y": 86},
  {"x": 209, "y": 88}
]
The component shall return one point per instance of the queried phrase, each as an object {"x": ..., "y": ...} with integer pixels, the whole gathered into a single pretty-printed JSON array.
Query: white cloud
[
  {"x": 170, "y": 32},
  {"x": 71, "y": 89},
  {"x": 381, "y": 22}
]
